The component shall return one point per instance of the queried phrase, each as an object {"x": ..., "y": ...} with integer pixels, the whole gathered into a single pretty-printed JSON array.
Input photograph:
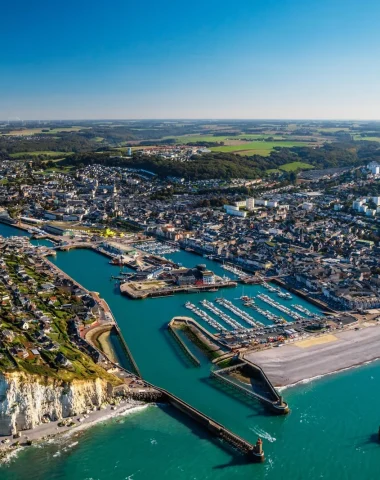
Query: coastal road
[{"x": 310, "y": 358}]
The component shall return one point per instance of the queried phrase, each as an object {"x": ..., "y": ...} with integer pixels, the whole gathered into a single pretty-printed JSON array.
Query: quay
[
  {"x": 318, "y": 303},
  {"x": 136, "y": 291}
]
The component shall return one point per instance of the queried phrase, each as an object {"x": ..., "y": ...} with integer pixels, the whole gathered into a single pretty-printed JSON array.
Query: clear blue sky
[{"x": 190, "y": 59}]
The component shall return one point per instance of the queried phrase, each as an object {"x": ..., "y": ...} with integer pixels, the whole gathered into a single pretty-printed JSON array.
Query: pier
[
  {"x": 270, "y": 398},
  {"x": 254, "y": 453}
]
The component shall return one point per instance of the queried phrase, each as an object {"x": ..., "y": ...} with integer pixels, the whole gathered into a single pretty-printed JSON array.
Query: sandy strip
[
  {"x": 292, "y": 364},
  {"x": 310, "y": 342}
]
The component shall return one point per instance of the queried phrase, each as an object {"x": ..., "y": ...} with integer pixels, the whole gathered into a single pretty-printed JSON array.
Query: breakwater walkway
[{"x": 269, "y": 396}]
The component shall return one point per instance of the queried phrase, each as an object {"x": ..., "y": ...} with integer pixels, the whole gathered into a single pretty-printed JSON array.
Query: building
[
  {"x": 250, "y": 203},
  {"x": 208, "y": 277},
  {"x": 233, "y": 210},
  {"x": 357, "y": 204},
  {"x": 56, "y": 230}
]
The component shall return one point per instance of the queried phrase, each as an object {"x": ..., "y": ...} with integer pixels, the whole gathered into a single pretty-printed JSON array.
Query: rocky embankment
[{"x": 29, "y": 400}]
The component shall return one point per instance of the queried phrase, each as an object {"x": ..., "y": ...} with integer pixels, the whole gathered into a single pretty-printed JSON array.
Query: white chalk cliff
[{"x": 27, "y": 400}]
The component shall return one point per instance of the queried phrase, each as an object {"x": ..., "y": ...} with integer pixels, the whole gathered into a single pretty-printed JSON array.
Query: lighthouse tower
[{"x": 258, "y": 452}]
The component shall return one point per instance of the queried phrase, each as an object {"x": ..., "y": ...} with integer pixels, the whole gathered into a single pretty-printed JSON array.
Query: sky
[{"x": 244, "y": 59}]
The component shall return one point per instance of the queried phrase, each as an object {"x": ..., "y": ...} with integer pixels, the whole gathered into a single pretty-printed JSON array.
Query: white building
[
  {"x": 232, "y": 210},
  {"x": 250, "y": 203}
]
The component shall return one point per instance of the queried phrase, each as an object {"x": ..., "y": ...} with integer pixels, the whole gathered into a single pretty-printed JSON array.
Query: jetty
[
  {"x": 267, "y": 395},
  {"x": 253, "y": 452}
]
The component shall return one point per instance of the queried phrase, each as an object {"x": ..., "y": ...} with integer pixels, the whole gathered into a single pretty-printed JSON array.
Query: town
[{"x": 320, "y": 234}]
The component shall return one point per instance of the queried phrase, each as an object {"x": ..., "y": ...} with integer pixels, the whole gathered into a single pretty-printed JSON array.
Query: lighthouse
[{"x": 258, "y": 452}]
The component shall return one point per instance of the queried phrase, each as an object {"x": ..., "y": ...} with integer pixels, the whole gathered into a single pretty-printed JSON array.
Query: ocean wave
[
  {"x": 106, "y": 418},
  {"x": 10, "y": 456}
]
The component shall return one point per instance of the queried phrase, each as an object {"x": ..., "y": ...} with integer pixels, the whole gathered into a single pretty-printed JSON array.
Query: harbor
[{"x": 143, "y": 325}]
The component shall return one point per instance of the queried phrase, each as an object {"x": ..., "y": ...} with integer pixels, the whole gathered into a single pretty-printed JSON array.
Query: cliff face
[{"x": 26, "y": 400}]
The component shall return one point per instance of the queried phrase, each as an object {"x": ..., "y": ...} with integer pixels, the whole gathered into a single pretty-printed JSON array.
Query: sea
[{"x": 330, "y": 433}]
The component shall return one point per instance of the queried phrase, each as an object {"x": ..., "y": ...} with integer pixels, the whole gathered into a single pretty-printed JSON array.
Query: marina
[
  {"x": 157, "y": 248},
  {"x": 141, "y": 324}
]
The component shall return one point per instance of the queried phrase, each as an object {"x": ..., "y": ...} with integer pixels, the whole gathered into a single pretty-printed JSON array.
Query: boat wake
[{"x": 263, "y": 434}]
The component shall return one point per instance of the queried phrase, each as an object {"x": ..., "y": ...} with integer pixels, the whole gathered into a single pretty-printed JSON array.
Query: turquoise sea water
[{"x": 330, "y": 432}]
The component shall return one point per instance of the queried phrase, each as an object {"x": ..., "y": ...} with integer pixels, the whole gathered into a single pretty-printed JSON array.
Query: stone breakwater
[{"x": 28, "y": 400}]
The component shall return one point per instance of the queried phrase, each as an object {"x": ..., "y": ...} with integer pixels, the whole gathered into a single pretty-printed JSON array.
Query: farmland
[
  {"x": 26, "y": 132},
  {"x": 243, "y": 144},
  {"x": 256, "y": 148},
  {"x": 368, "y": 139},
  {"x": 48, "y": 153}
]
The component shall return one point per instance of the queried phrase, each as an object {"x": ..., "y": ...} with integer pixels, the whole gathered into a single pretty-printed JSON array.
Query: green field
[
  {"x": 222, "y": 138},
  {"x": 256, "y": 148},
  {"x": 33, "y": 131},
  {"x": 293, "y": 166},
  {"x": 34, "y": 154},
  {"x": 241, "y": 143},
  {"x": 368, "y": 139}
]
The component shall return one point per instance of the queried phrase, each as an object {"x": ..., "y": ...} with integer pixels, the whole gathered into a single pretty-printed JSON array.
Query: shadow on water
[
  {"x": 184, "y": 359},
  {"x": 371, "y": 440},
  {"x": 258, "y": 407},
  {"x": 237, "y": 458},
  {"x": 254, "y": 404}
]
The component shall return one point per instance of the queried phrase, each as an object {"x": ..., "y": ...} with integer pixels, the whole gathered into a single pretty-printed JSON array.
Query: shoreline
[
  {"x": 50, "y": 431},
  {"x": 301, "y": 363},
  {"x": 335, "y": 372}
]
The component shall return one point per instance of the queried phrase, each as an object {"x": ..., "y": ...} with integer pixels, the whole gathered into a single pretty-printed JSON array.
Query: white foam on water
[
  {"x": 113, "y": 414},
  {"x": 263, "y": 434},
  {"x": 11, "y": 455},
  {"x": 317, "y": 377}
]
